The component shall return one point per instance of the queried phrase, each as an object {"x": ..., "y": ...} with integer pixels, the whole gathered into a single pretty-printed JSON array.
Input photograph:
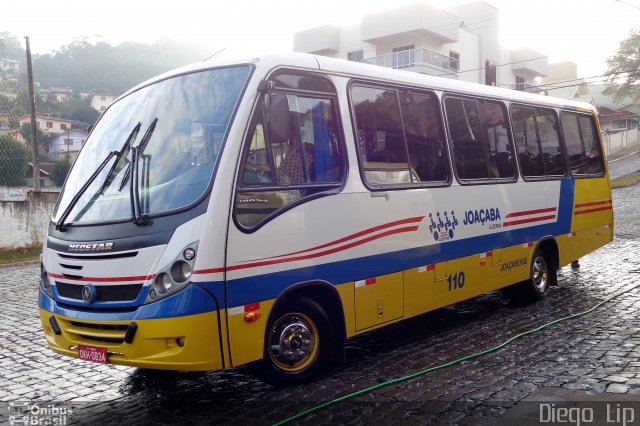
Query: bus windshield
[{"x": 175, "y": 128}]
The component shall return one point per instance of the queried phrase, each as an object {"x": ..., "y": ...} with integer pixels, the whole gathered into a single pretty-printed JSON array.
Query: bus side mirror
[{"x": 278, "y": 118}]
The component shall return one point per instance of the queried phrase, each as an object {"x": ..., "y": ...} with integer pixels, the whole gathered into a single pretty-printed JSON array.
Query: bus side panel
[
  {"x": 378, "y": 300},
  {"x": 466, "y": 277},
  {"x": 592, "y": 220},
  {"x": 247, "y": 337},
  {"x": 593, "y": 204}
]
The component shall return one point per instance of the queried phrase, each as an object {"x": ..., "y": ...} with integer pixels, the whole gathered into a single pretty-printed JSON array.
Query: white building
[
  {"x": 67, "y": 143},
  {"x": 460, "y": 43},
  {"x": 101, "y": 100},
  {"x": 56, "y": 94}
]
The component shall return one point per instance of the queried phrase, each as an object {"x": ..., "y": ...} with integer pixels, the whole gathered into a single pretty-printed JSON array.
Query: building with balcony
[{"x": 459, "y": 43}]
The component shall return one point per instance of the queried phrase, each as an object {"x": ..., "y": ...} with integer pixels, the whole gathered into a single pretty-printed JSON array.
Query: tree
[
  {"x": 14, "y": 161},
  {"x": 61, "y": 170},
  {"x": 25, "y": 131},
  {"x": 624, "y": 69}
]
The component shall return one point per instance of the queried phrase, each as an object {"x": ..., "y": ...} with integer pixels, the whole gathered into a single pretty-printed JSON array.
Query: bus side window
[
  {"x": 537, "y": 142},
  {"x": 400, "y": 137},
  {"x": 582, "y": 143},
  {"x": 381, "y": 137},
  {"x": 425, "y": 140},
  {"x": 283, "y": 167},
  {"x": 481, "y": 143}
]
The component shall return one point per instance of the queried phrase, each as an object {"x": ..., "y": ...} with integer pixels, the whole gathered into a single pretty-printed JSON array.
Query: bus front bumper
[{"x": 188, "y": 343}]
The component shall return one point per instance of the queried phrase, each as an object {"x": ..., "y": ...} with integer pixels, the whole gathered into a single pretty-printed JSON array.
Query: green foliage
[
  {"x": 86, "y": 67},
  {"x": 41, "y": 136},
  {"x": 14, "y": 161},
  {"x": 623, "y": 69},
  {"x": 61, "y": 170}
]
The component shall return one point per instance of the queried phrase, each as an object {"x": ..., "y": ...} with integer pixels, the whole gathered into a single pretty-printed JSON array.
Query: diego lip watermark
[
  {"x": 38, "y": 414},
  {"x": 611, "y": 413}
]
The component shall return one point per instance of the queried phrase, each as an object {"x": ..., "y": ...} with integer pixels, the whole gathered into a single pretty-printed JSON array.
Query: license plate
[{"x": 93, "y": 353}]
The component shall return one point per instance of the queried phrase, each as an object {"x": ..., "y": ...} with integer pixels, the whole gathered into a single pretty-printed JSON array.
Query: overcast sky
[{"x": 584, "y": 31}]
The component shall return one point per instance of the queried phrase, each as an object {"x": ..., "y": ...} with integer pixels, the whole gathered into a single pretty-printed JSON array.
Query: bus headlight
[
  {"x": 173, "y": 277},
  {"x": 45, "y": 284},
  {"x": 180, "y": 271}
]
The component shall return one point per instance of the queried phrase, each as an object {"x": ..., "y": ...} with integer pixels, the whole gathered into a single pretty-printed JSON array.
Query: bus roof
[{"x": 367, "y": 71}]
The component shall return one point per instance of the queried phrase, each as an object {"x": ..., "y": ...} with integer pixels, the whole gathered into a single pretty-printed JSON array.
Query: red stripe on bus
[
  {"x": 208, "y": 271},
  {"x": 595, "y": 203},
  {"x": 103, "y": 280},
  {"x": 348, "y": 237},
  {"x": 601, "y": 209},
  {"x": 323, "y": 253},
  {"x": 530, "y": 212},
  {"x": 272, "y": 261},
  {"x": 533, "y": 219}
]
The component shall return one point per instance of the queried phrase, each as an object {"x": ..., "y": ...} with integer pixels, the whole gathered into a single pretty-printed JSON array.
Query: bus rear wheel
[
  {"x": 537, "y": 286},
  {"x": 297, "y": 344}
]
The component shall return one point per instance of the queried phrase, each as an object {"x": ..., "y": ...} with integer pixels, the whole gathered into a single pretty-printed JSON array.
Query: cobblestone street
[{"x": 598, "y": 353}]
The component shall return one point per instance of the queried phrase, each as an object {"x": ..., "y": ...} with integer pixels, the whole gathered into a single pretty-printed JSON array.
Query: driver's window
[{"x": 296, "y": 155}]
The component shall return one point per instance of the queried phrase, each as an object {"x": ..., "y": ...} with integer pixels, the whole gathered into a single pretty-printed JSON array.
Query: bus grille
[
  {"x": 105, "y": 333},
  {"x": 104, "y": 293}
]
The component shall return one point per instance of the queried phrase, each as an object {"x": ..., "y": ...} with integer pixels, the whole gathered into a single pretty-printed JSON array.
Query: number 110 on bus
[{"x": 456, "y": 280}]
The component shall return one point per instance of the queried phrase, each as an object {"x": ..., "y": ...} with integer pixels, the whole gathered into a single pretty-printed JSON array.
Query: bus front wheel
[
  {"x": 537, "y": 286},
  {"x": 297, "y": 344}
]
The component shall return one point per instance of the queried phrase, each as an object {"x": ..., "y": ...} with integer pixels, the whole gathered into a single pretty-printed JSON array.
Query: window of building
[
  {"x": 404, "y": 56},
  {"x": 355, "y": 56},
  {"x": 535, "y": 131},
  {"x": 490, "y": 74},
  {"x": 63, "y": 126},
  {"x": 481, "y": 143},
  {"x": 400, "y": 137},
  {"x": 103, "y": 98},
  {"x": 520, "y": 85},
  {"x": 49, "y": 125},
  {"x": 299, "y": 154},
  {"x": 454, "y": 61},
  {"x": 582, "y": 143}
]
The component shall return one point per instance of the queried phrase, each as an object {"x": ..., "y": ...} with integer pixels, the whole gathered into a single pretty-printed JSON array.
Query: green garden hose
[{"x": 451, "y": 363}]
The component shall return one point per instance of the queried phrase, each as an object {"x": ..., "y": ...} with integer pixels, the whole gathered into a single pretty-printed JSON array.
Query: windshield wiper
[
  {"x": 127, "y": 145},
  {"x": 60, "y": 225},
  {"x": 137, "y": 216}
]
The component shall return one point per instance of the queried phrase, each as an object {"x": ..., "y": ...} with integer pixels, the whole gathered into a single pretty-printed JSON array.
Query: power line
[{"x": 497, "y": 65}]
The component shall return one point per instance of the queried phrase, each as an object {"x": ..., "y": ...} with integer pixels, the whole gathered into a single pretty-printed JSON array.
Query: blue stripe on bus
[{"x": 190, "y": 301}]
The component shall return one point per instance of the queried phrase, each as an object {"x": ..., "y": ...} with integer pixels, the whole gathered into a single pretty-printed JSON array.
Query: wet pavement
[{"x": 596, "y": 354}]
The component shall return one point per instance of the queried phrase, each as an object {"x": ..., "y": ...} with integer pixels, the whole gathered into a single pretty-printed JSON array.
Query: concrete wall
[
  {"x": 24, "y": 223},
  {"x": 616, "y": 141}
]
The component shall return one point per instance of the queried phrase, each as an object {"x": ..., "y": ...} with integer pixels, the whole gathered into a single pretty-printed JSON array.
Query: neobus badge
[{"x": 92, "y": 247}]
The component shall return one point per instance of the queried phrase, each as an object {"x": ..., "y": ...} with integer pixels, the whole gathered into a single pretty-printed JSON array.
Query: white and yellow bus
[{"x": 266, "y": 210}]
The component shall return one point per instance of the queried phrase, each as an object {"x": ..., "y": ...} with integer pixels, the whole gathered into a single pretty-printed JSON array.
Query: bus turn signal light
[{"x": 251, "y": 316}]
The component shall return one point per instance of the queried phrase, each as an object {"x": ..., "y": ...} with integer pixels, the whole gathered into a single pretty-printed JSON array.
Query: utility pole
[{"x": 34, "y": 126}]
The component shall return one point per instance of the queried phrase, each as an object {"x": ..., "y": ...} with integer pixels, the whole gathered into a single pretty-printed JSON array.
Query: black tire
[
  {"x": 297, "y": 344},
  {"x": 542, "y": 274}
]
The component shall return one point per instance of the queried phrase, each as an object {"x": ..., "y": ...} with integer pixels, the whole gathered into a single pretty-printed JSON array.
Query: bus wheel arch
[
  {"x": 542, "y": 274},
  {"x": 305, "y": 331}
]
